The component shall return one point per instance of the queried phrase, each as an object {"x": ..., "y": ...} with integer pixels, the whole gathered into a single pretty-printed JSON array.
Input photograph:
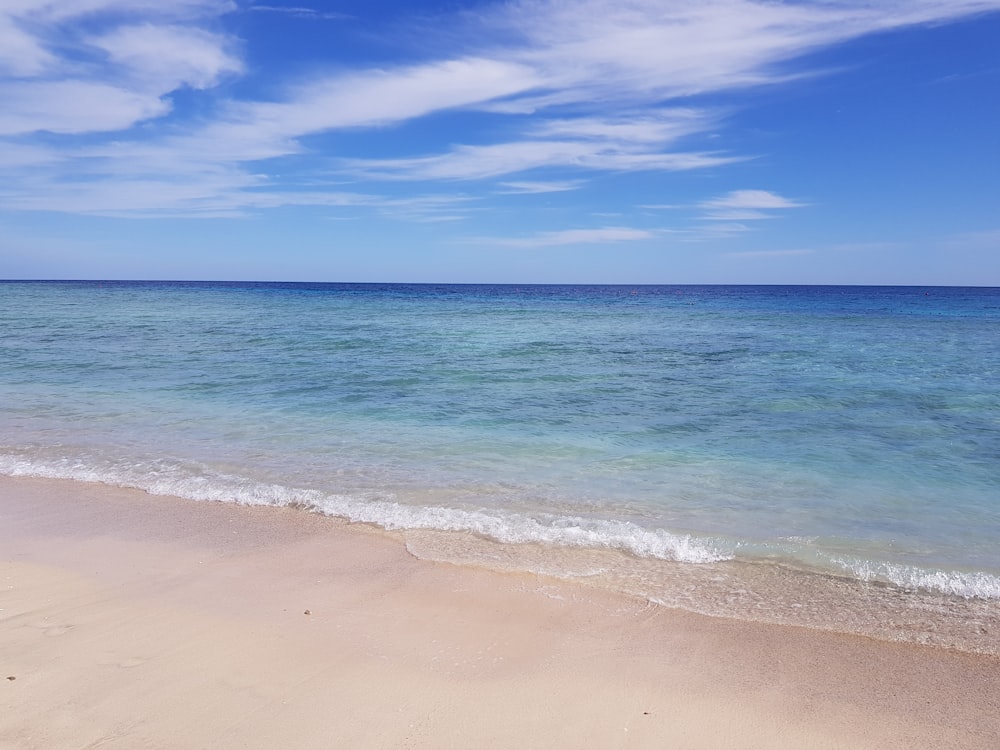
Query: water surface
[{"x": 780, "y": 453}]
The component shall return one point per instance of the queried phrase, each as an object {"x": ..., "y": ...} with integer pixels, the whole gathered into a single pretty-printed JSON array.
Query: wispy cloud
[
  {"x": 90, "y": 90},
  {"x": 745, "y": 205},
  {"x": 21, "y": 53},
  {"x": 623, "y": 144},
  {"x": 651, "y": 50},
  {"x": 166, "y": 57},
  {"x": 726, "y": 215},
  {"x": 601, "y": 236},
  {"x": 750, "y": 200},
  {"x": 300, "y": 12},
  {"x": 107, "y": 81},
  {"x": 74, "y": 107},
  {"x": 482, "y": 162},
  {"x": 532, "y": 187},
  {"x": 655, "y": 126}
]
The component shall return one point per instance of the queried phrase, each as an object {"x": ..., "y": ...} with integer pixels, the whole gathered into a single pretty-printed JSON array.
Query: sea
[{"x": 819, "y": 456}]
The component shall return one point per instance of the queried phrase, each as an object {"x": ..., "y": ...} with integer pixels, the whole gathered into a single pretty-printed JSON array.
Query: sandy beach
[{"x": 128, "y": 620}]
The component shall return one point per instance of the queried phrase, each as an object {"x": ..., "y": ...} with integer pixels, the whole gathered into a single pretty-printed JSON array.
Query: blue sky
[{"x": 585, "y": 141}]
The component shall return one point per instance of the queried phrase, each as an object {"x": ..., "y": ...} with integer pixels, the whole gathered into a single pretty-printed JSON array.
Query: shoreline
[
  {"x": 777, "y": 589},
  {"x": 137, "y": 620},
  {"x": 760, "y": 591}
]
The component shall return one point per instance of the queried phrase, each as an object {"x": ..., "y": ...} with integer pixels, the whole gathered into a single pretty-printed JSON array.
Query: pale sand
[{"x": 132, "y": 621}]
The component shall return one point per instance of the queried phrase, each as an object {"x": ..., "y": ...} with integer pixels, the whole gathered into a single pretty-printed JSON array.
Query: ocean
[{"x": 819, "y": 456}]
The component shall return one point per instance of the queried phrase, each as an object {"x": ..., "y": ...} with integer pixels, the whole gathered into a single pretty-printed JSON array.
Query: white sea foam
[
  {"x": 518, "y": 528},
  {"x": 193, "y": 482},
  {"x": 166, "y": 478},
  {"x": 968, "y": 585}
]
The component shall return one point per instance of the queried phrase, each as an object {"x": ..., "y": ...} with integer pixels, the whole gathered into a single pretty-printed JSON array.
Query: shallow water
[{"x": 839, "y": 439}]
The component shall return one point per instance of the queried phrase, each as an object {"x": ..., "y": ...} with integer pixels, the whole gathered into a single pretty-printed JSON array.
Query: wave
[
  {"x": 199, "y": 483},
  {"x": 173, "y": 479},
  {"x": 965, "y": 584}
]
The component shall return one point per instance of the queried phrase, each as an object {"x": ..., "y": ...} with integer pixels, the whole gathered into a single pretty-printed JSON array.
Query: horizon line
[{"x": 489, "y": 283}]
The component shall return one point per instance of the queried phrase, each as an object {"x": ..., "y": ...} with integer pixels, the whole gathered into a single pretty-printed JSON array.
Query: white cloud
[
  {"x": 602, "y": 236},
  {"x": 481, "y": 162},
  {"x": 737, "y": 215},
  {"x": 718, "y": 231},
  {"x": 230, "y": 193},
  {"x": 380, "y": 97},
  {"x": 300, "y": 12},
  {"x": 253, "y": 131},
  {"x": 47, "y": 12},
  {"x": 725, "y": 215},
  {"x": 166, "y": 57},
  {"x": 27, "y": 156},
  {"x": 531, "y": 187},
  {"x": 750, "y": 199},
  {"x": 663, "y": 126},
  {"x": 125, "y": 188},
  {"x": 745, "y": 205},
  {"x": 425, "y": 208},
  {"x": 583, "y": 85},
  {"x": 21, "y": 54},
  {"x": 111, "y": 80},
  {"x": 649, "y": 49},
  {"x": 631, "y": 142},
  {"x": 73, "y": 107}
]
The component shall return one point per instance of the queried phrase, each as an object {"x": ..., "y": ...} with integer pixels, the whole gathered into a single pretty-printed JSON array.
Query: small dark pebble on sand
[
  {"x": 11, "y": 678},
  {"x": 307, "y": 612}
]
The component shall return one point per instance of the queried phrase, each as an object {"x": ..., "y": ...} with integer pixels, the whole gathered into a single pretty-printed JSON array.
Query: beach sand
[{"x": 132, "y": 621}]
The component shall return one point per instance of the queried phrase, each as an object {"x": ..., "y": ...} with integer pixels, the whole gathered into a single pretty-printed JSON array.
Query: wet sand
[{"x": 128, "y": 621}]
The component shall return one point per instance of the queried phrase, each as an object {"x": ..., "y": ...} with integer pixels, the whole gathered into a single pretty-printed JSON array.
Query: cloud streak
[
  {"x": 600, "y": 236},
  {"x": 746, "y": 205},
  {"x": 529, "y": 187},
  {"x": 300, "y": 12},
  {"x": 750, "y": 200},
  {"x": 572, "y": 89}
]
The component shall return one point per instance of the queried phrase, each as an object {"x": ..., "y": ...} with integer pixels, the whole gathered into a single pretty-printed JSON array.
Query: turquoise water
[{"x": 655, "y": 437}]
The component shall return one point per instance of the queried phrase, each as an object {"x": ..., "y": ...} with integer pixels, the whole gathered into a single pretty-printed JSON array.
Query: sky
[{"x": 515, "y": 141}]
